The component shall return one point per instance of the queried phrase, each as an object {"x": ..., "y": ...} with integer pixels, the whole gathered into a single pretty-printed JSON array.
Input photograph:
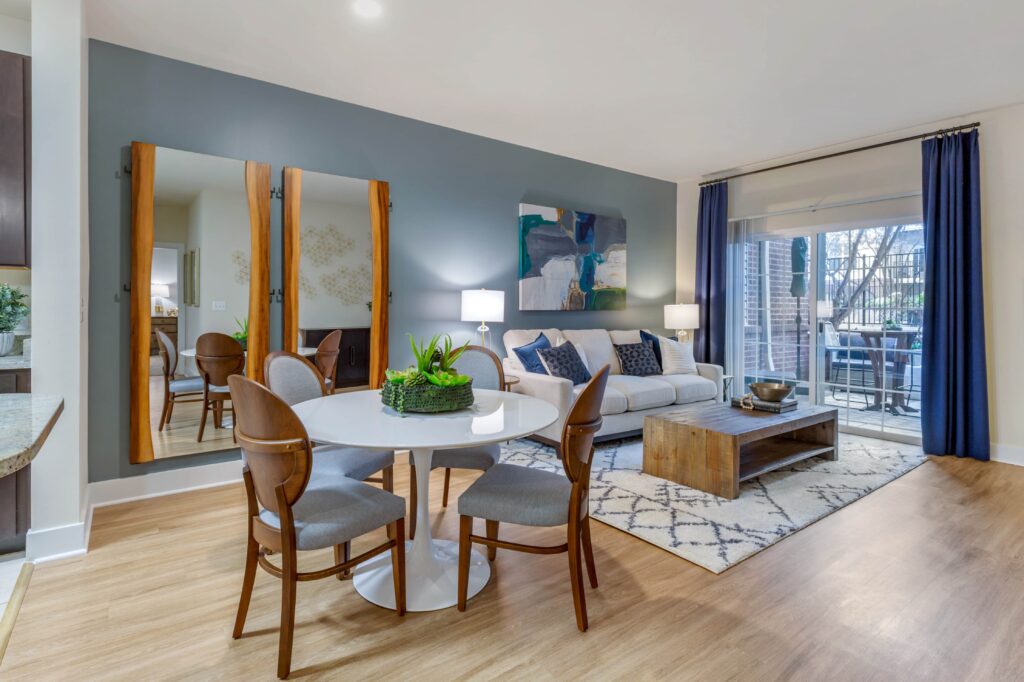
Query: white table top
[
  {"x": 306, "y": 351},
  {"x": 359, "y": 419}
]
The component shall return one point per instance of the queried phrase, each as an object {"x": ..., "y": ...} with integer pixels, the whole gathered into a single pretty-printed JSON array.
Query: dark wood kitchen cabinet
[
  {"x": 15, "y": 160},
  {"x": 354, "y": 357}
]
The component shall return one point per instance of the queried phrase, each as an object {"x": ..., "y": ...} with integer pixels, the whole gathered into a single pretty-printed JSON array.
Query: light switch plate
[{"x": 220, "y": 306}]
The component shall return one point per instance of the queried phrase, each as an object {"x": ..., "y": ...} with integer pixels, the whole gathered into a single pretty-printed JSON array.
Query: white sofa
[{"x": 627, "y": 399}]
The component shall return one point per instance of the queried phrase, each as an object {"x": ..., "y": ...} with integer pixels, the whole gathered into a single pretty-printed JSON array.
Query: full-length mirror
[
  {"x": 335, "y": 231},
  {"x": 199, "y": 290}
]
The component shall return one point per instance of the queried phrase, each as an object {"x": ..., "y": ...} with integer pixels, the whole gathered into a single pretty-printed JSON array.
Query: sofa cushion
[
  {"x": 564, "y": 362},
  {"x": 514, "y": 338},
  {"x": 614, "y": 402},
  {"x": 637, "y": 359},
  {"x": 621, "y": 336},
  {"x": 676, "y": 357},
  {"x": 597, "y": 344},
  {"x": 642, "y": 392},
  {"x": 655, "y": 342},
  {"x": 528, "y": 356},
  {"x": 689, "y": 388}
]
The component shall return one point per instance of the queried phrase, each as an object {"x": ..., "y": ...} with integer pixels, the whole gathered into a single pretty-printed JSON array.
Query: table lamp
[
  {"x": 486, "y": 305},
  {"x": 682, "y": 317}
]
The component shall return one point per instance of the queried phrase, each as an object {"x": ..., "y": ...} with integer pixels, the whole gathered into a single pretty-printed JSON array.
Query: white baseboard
[
  {"x": 119, "y": 490},
  {"x": 1008, "y": 454},
  {"x": 60, "y": 542}
]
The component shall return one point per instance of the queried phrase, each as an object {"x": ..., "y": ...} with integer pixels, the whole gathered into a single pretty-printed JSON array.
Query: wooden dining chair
[
  {"x": 218, "y": 356},
  {"x": 294, "y": 507},
  {"x": 485, "y": 367},
  {"x": 327, "y": 359},
  {"x": 532, "y": 497},
  {"x": 183, "y": 390}
]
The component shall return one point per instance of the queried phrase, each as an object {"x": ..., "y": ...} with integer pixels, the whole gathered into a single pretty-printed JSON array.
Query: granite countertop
[
  {"x": 25, "y": 422},
  {"x": 14, "y": 362}
]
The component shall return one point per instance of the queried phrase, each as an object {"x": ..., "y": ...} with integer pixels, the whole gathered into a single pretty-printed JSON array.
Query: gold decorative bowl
[{"x": 772, "y": 392}]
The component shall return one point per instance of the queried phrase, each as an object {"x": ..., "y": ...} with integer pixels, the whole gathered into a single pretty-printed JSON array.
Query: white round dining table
[
  {"x": 359, "y": 419},
  {"x": 303, "y": 351}
]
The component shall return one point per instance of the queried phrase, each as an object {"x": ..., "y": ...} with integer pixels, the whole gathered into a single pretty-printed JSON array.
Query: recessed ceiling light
[{"x": 368, "y": 9}]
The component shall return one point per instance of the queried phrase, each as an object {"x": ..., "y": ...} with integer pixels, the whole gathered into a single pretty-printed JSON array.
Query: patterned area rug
[{"x": 713, "y": 532}]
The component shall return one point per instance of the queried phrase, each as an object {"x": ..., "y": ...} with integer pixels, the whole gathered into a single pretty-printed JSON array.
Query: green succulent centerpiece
[{"x": 432, "y": 384}]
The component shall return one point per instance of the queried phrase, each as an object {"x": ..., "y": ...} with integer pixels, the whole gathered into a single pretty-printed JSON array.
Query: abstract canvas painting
[{"x": 570, "y": 260}]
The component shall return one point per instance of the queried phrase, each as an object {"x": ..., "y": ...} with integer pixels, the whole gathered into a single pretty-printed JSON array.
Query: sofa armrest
[
  {"x": 550, "y": 389},
  {"x": 713, "y": 373}
]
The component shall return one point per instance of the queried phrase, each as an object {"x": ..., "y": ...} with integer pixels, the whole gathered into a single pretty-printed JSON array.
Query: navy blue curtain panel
[
  {"x": 954, "y": 387},
  {"x": 712, "y": 248}
]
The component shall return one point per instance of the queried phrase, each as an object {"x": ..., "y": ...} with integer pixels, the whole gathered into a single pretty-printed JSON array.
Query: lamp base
[{"x": 483, "y": 329}]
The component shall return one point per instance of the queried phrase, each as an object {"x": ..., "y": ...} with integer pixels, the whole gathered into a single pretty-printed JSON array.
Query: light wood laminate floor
[{"x": 921, "y": 580}]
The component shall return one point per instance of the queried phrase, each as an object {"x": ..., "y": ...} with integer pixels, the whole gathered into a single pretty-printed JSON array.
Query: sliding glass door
[{"x": 837, "y": 315}]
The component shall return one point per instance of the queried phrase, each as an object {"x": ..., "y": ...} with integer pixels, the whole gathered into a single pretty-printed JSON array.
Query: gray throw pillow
[
  {"x": 564, "y": 362},
  {"x": 637, "y": 359}
]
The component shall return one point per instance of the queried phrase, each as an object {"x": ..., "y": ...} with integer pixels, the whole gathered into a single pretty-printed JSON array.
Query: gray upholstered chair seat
[
  {"x": 186, "y": 385},
  {"x": 355, "y": 463},
  {"x": 518, "y": 494},
  {"x": 334, "y": 509},
  {"x": 479, "y": 457}
]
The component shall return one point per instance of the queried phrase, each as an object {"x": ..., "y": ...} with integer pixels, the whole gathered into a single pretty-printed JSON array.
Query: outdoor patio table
[{"x": 874, "y": 340}]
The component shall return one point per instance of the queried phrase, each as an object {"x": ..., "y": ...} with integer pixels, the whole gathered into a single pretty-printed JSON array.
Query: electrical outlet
[{"x": 220, "y": 306}]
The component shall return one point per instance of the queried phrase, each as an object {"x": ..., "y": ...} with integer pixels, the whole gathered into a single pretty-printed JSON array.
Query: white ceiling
[
  {"x": 668, "y": 88},
  {"x": 180, "y": 176}
]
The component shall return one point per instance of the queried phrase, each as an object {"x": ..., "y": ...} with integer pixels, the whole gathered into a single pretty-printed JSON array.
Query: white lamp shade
[
  {"x": 483, "y": 305},
  {"x": 682, "y": 316},
  {"x": 159, "y": 290}
]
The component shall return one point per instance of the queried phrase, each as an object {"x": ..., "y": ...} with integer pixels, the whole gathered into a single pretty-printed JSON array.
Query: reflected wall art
[{"x": 570, "y": 260}]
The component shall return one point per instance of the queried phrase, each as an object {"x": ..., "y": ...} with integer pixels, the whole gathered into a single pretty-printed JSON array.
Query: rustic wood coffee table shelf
[{"x": 714, "y": 448}]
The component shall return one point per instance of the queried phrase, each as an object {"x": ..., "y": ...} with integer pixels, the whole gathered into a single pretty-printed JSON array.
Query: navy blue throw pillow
[
  {"x": 655, "y": 344},
  {"x": 637, "y": 359},
  {"x": 528, "y": 354},
  {"x": 564, "y": 362}
]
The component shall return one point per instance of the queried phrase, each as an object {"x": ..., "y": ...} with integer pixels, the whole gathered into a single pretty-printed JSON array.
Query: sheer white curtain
[{"x": 740, "y": 232}]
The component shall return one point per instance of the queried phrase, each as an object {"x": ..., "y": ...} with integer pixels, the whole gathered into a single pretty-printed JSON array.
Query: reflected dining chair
[
  {"x": 294, "y": 379},
  {"x": 218, "y": 356},
  {"x": 485, "y": 367},
  {"x": 327, "y": 359},
  {"x": 293, "y": 507},
  {"x": 532, "y": 497},
  {"x": 174, "y": 389}
]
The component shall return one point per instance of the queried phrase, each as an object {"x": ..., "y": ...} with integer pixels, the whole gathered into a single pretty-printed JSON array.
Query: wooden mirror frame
[
  {"x": 379, "y": 201},
  {"x": 257, "y": 189}
]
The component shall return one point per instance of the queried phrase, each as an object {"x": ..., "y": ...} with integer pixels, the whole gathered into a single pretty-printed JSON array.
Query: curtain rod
[{"x": 844, "y": 153}]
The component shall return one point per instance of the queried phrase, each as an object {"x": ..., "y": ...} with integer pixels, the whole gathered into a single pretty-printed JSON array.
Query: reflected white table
[
  {"x": 190, "y": 353},
  {"x": 359, "y": 419}
]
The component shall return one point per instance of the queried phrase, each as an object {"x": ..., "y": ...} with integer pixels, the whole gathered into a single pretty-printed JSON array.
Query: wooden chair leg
[
  {"x": 579, "y": 599},
  {"x": 218, "y": 415},
  {"x": 342, "y": 553},
  {"x": 492, "y": 534},
  {"x": 412, "y": 501},
  {"x": 397, "y": 531},
  {"x": 389, "y": 478},
  {"x": 447, "y": 479},
  {"x": 588, "y": 552},
  {"x": 170, "y": 410},
  {"x": 202, "y": 421},
  {"x": 248, "y": 578},
  {"x": 465, "y": 547},
  {"x": 288, "y": 584},
  {"x": 163, "y": 413}
]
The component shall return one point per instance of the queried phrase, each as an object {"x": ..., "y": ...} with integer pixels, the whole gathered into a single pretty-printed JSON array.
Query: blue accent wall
[{"x": 454, "y": 225}]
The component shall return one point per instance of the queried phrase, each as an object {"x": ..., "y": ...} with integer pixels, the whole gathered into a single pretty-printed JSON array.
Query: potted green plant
[
  {"x": 432, "y": 384},
  {"x": 242, "y": 335},
  {"x": 12, "y": 311}
]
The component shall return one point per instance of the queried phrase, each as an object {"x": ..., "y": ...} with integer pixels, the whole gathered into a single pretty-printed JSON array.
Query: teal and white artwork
[{"x": 570, "y": 260}]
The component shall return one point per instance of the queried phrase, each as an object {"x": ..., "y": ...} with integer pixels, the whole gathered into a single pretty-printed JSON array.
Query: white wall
[
  {"x": 15, "y": 35},
  {"x": 897, "y": 169},
  {"x": 60, "y": 271},
  {"x": 336, "y": 269}
]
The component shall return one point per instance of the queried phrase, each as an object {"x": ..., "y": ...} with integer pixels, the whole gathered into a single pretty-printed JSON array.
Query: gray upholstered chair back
[
  {"x": 484, "y": 366},
  {"x": 292, "y": 378},
  {"x": 169, "y": 352}
]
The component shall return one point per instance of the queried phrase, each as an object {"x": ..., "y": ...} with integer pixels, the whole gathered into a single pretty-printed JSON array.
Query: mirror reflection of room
[
  {"x": 199, "y": 299},
  {"x": 336, "y": 276}
]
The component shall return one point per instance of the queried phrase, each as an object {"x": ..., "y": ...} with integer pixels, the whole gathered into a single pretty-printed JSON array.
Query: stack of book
[{"x": 766, "y": 406}]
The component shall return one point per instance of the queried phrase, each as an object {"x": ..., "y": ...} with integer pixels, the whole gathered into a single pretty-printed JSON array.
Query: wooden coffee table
[{"x": 715, "y": 447}]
